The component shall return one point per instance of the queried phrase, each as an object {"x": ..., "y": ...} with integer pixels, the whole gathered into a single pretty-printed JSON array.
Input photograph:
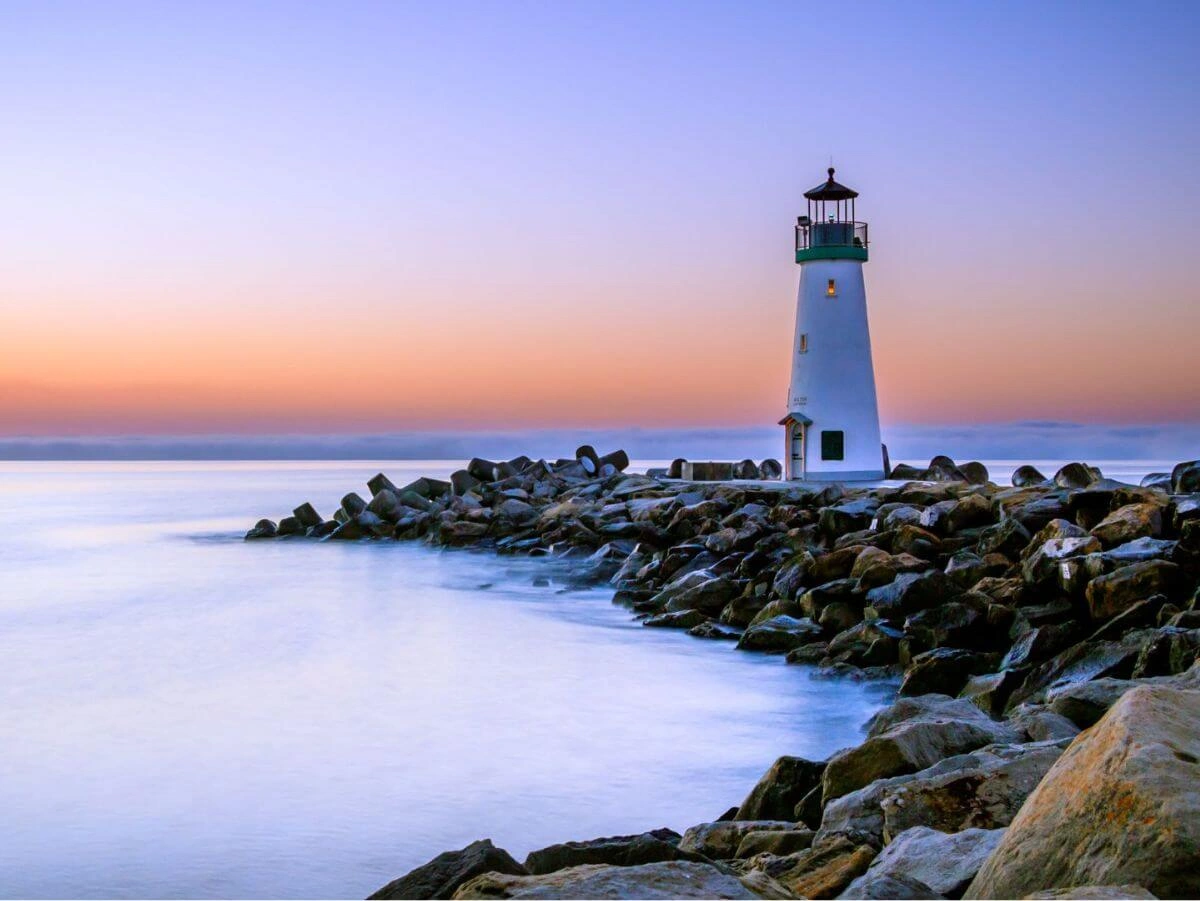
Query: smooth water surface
[{"x": 187, "y": 714}]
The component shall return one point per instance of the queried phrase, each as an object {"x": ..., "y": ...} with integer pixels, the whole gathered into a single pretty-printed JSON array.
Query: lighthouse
[{"x": 831, "y": 430}]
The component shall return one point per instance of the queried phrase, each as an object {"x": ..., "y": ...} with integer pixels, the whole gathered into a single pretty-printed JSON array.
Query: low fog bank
[{"x": 907, "y": 443}]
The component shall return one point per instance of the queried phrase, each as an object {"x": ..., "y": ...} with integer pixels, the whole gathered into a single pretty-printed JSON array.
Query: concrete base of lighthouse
[{"x": 797, "y": 429}]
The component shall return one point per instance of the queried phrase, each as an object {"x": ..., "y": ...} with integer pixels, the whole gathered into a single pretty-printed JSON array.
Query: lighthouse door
[{"x": 796, "y": 452}]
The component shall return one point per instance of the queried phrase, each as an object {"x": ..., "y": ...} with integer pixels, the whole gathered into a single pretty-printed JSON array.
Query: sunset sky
[{"x": 267, "y": 217}]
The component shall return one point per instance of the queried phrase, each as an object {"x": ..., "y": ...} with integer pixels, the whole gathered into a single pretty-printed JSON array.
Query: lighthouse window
[
  {"x": 831, "y": 288},
  {"x": 804, "y": 344},
  {"x": 833, "y": 445}
]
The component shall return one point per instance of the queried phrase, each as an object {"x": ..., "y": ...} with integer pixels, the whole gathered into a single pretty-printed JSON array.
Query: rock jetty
[{"x": 1046, "y": 738}]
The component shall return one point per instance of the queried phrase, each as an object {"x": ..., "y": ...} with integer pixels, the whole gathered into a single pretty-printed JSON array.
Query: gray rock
[
  {"x": 264, "y": 528},
  {"x": 779, "y": 842},
  {"x": 617, "y": 850},
  {"x": 910, "y": 737},
  {"x": 719, "y": 840},
  {"x": 1111, "y": 594},
  {"x": 1091, "y": 893},
  {"x": 779, "y": 634},
  {"x": 307, "y": 515},
  {"x": 983, "y": 789},
  {"x": 884, "y": 886},
  {"x": 781, "y": 788},
  {"x": 945, "y": 862},
  {"x": 442, "y": 876},
  {"x": 1027, "y": 475},
  {"x": 668, "y": 879}
]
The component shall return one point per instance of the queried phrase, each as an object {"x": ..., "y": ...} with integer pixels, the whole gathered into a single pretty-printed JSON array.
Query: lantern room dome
[{"x": 831, "y": 190}]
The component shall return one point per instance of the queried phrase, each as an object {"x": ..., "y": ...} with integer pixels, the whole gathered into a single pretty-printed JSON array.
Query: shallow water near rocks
[{"x": 185, "y": 714}]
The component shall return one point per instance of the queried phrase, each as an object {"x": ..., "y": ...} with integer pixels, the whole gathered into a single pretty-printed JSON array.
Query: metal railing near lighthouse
[{"x": 810, "y": 235}]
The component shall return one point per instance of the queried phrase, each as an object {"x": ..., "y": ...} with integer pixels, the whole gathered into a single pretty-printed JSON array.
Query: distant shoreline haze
[{"x": 910, "y": 443}]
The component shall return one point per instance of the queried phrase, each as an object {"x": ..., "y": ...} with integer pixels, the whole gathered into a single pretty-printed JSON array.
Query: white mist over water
[{"x": 188, "y": 714}]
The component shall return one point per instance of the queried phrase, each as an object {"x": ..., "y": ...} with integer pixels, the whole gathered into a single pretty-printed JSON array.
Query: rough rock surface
[
  {"x": 618, "y": 850},
  {"x": 443, "y": 875},
  {"x": 944, "y": 862},
  {"x": 1122, "y": 805},
  {"x": 672, "y": 879}
]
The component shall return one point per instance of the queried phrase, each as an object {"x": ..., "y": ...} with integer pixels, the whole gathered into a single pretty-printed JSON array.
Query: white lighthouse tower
[{"x": 832, "y": 425}]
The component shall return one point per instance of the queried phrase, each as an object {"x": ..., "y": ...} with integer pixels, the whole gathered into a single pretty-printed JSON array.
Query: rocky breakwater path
[{"x": 1046, "y": 742}]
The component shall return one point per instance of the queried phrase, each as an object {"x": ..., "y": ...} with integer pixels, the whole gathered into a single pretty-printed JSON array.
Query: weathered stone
[
  {"x": 976, "y": 473},
  {"x": 770, "y": 469},
  {"x": 353, "y": 505},
  {"x": 887, "y": 887},
  {"x": 1040, "y": 643},
  {"x": 443, "y": 875},
  {"x": 289, "y": 525},
  {"x": 1110, "y": 594},
  {"x": 715, "y": 630},
  {"x": 1129, "y": 522},
  {"x": 1027, "y": 475},
  {"x": 983, "y": 789},
  {"x": 667, "y": 879},
  {"x": 378, "y": 482},
  {"x": 307, "y": 515},
  {"x": 945, "y": 862},
  {"x": 1045, "y": 562},
  {"x": 676, "y": 619},
  {"x": 910, "y": 592},
  {"x": 969, "y": 512},
  {"x": 264, "y": 528},
  {"x": 1076, "y": 475},
  {"x": 824, "y": 870},
  {"x": 617, "y": 850},
  {"x": 1185, "y": 477},
  {"x": 719, "y": 840},
  {"x": 1084, "y": 703},
  {"x": 781, "y": 788},
  {"x": 1092, "y": 893},
  {"x": 1122, "y": 805},
  {"x": 779, "y": 842},
  {"x": 943, "y": 671},
  {"x": 779, "y": 633},
  {"x": 1081, "y": 662},
  {"x": 990, "y": 691},
  {"x": 931, "y": 729},
  {"x": 1171, "y": 650}
]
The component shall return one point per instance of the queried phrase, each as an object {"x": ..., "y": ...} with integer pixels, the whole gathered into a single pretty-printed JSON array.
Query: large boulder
[
  {"x": 1027, "y": 475},
  {"x": 617, "y": 850},
  {"x": 944, "y": 862},
  {"x": 1122, "y": 805},
  {"x": 944, "y": 671},
  {"x": 1111, "y": 594},
  {"x": 825, "y": 869},
  {"x": 443, "y": 875},
  {"x": 720, "y": 840},
  {"x": 909, "y": 736},
  {"x": 888, "y": 886},
  {"x": 909, "y": 593},
  {"x": 1129, "y": 522},
  {"x": 983, "y": 789},
  {"x": 668, "y": 879},
  {"x": 779, "y": 634},
  {"x": 1185, "y": 477},
  {"x": 781, "y": 788}
]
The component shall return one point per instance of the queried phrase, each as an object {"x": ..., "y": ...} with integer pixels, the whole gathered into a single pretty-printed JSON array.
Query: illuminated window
[
  {"x": 804, "y": 344},
  {"x": 831, "y": 288},
  {"x": 833, "y": 445}
]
